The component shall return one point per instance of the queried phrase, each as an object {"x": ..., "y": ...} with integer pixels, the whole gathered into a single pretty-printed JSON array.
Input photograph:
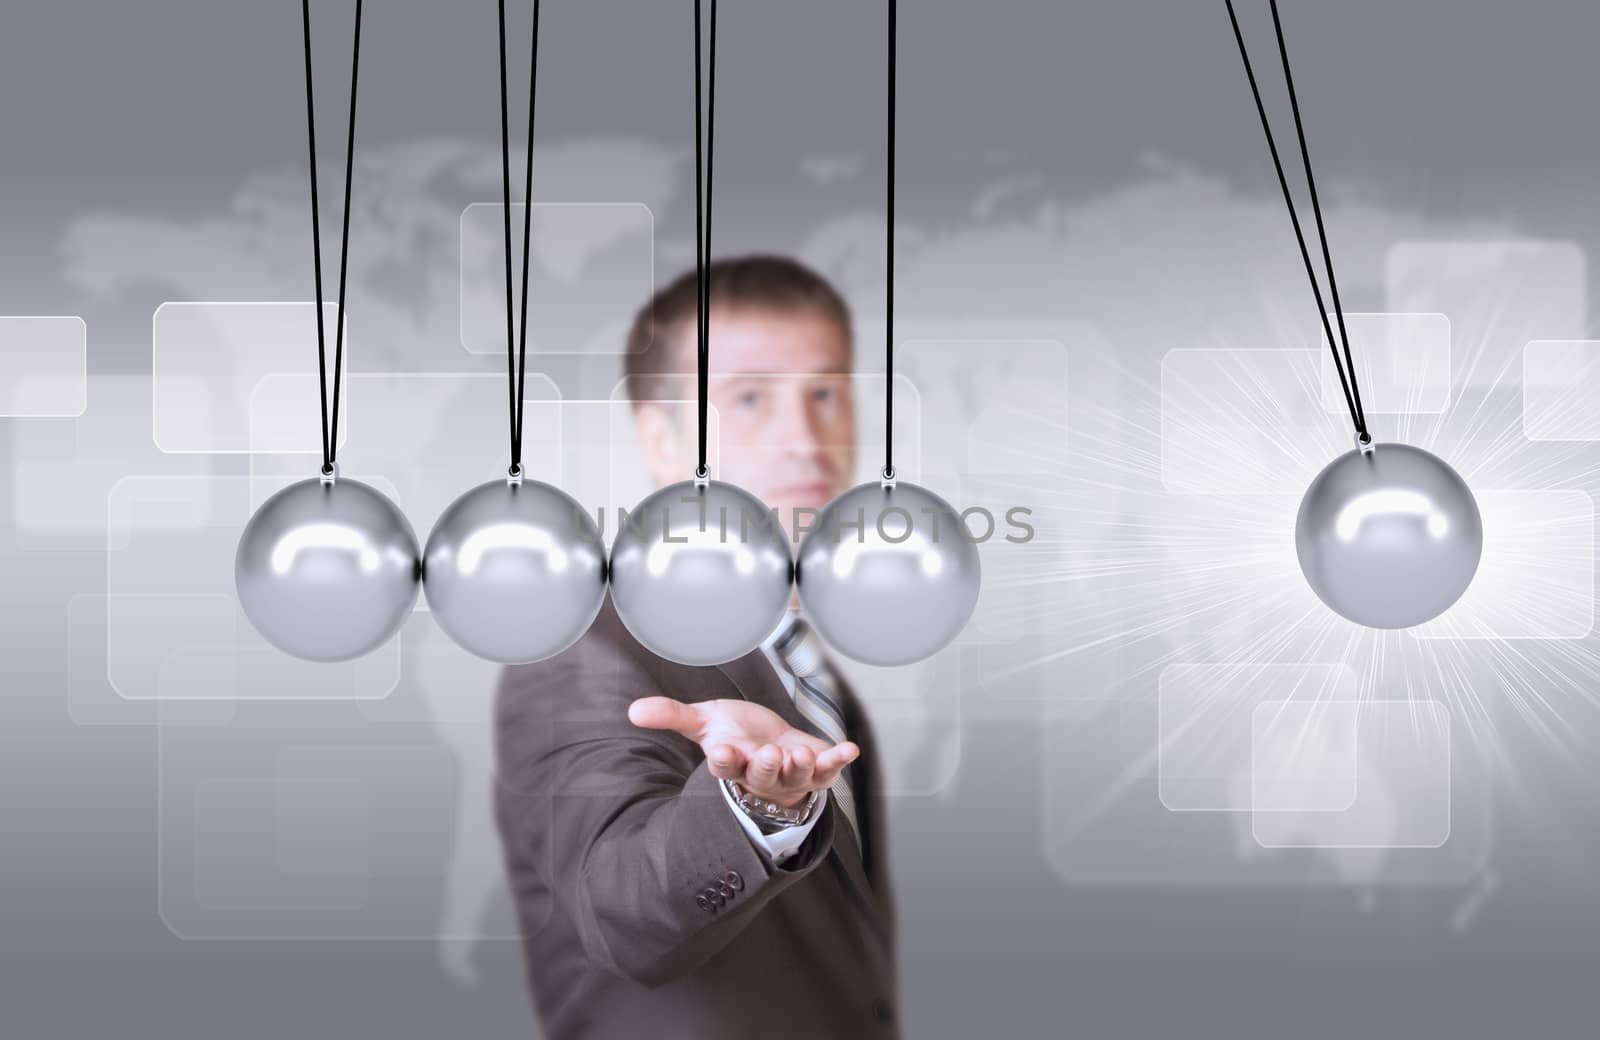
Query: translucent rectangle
[
  {"x": 1027, "y": 443},
  {"x": 320, "y": 822},
  {"x": 174, "y": 627},
  {"x": 1303, "y": 756},
  {"x": 63, "y": 469},
  {"x": 1403, "y": 785},
  {"x": 1101, "y": 827},
  {"x": 207, "y": 359},
  {"x": 1560, "y": 385},
  {"x": 1244, "y": 421},
  {"x": 307, "y": 821},
  {"x": 1205, "y": 725},
  {"x": 592, "y": 266},
  {"x": 237, "y": 849},
  {"x": 1498, "y": 294},
  {"x": 976, "y": 390},
  {"x": 62, "y": 501},
  {"x": 1535, "y": 579},
  {"x": 44, "y": 366},
  {"x": 91, "y": 699},
  {"x": 1402, "y": 364}
]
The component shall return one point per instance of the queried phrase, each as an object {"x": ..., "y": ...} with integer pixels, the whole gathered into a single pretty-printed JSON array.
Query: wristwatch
[{"x": 770, "y": 816}]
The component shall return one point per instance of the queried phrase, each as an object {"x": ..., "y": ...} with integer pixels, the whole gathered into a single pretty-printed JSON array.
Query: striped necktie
[{"x": 818, "y": 699}]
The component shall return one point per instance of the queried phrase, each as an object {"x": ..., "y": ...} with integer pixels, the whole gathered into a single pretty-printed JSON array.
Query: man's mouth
[{"x": 810, "y": 491}]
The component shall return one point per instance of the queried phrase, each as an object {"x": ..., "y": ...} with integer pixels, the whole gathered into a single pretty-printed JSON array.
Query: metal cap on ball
[
  {"x": 1389, "y": 536},
  {"x": 515, "y": 570},
  {"x": 888, "y": 574},
  {"x": 701, "y": 572},
  {"x": 327, "y": 569}
]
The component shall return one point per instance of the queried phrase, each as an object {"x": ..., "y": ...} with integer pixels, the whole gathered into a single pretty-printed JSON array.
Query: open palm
[{"x": 750, "y": 744}]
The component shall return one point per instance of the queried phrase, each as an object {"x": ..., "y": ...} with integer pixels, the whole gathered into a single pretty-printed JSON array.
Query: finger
[
  {"x": 765, "y": 765},
  {"x": 725, "y": 761},
  {"x": 836, "y": 758},
  {"x": 798, "y": 767},
  {"x": 665, "y": 713},
  {"x": 800, "y": 738}
]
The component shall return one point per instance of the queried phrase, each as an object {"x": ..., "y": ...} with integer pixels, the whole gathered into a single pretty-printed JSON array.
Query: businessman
[{"x": 699, "y": 851}]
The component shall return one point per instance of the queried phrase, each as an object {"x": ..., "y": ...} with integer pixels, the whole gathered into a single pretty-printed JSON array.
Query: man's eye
[
  {"x": 749, "y": 398},
  {"x": 824, "y": 393}
]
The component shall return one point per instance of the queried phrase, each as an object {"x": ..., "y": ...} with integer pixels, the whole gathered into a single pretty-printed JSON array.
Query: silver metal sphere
[
  {"x": 1389, "y": 537},
  {"x": 889, "y": 573},
  {"x": 515, "y": 571},
  {"x": 701, "y": 573},
  {"x": 327, "y": 570}
]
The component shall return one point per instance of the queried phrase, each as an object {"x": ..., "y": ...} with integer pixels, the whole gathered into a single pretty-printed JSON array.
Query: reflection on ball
[
  {"x": 515, "y": 571},
  {"x": 888, "y": 574},
  {"x": 701, "y": 574},
  {"x": 327, "y": 570},
  {"x": 1389, "y": 538}
]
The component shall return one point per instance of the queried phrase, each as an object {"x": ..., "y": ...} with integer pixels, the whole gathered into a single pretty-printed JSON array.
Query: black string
[
  {"x": 888, "y": 349},
  {"x": 330, "y": 438},
  {"x": 1316, "y": 210},
  {"x": 703, "y": 220},
  {"x": 516, "y": 378},
  {"x": 1352, "y": 394}
]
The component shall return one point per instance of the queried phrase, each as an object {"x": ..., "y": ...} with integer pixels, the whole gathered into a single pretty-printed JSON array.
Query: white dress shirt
[{"x": 779, "y": 845}]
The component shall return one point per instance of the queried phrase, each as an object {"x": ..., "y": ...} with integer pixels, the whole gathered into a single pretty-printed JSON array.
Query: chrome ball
[
  {"x": 1389, "y": 538},
  {"x": 888, "y": 573},
  {"x": 514, "y": 571},
  {"x": 327, "y": 570},
  {"x": 701, "y": 574}
]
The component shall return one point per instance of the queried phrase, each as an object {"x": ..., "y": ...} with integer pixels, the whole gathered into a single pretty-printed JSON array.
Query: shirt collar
[{"x": 770, "y": 644}]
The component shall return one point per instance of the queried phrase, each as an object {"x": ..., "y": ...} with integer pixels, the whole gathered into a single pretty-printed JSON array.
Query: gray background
[{"x": 134, "y": 134}]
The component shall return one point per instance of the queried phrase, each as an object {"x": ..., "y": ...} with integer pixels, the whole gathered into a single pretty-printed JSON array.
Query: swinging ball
[
  {"x": 327, "y": 569},
  {"x": 889, "y": 573},
  {"x": 1389, "y": 536},
  {"x": 514, "y": 570},
  {"x": 701, "y": 572}
]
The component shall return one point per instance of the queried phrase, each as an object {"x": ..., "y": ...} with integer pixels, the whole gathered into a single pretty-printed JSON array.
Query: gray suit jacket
[{"x": 646, "y": 911}]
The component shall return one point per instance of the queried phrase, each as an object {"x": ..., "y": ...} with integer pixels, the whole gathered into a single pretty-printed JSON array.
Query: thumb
[{"x": 665, "y": 713}]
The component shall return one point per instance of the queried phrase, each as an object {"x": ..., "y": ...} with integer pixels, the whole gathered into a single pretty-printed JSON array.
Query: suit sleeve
[{"x": 630, "y": 829}]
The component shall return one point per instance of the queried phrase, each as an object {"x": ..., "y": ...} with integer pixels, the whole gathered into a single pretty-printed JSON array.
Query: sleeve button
[
  {"x": 704, "y": 902},
  {"x": 733, "y": 880}
]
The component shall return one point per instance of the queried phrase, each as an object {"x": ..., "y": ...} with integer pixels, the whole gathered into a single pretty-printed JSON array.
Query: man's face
[{"x": 784, "y": 425}]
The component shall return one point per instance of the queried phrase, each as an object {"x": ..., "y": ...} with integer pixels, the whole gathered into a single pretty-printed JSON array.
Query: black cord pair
[
  {"x": 703, "y": 230},
  {"x": 702, "y": 220},
  {"x": 330, "y": 439},
  {"x": 515, "y": 378},
  {"x": 1346, "y": 370}
]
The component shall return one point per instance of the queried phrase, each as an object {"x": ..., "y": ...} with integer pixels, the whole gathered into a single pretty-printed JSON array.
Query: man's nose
[{"x": 796, "y": 428}]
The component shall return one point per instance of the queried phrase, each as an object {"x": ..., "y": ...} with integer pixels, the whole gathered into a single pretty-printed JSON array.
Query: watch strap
[{"x": 769, "y": 816}]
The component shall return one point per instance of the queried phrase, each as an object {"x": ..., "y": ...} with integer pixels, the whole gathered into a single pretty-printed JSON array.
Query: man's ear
[{"x": 656, "y": 428}]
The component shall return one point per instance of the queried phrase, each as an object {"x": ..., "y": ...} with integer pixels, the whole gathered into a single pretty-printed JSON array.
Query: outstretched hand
[{"x": 750, "y": 744}]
